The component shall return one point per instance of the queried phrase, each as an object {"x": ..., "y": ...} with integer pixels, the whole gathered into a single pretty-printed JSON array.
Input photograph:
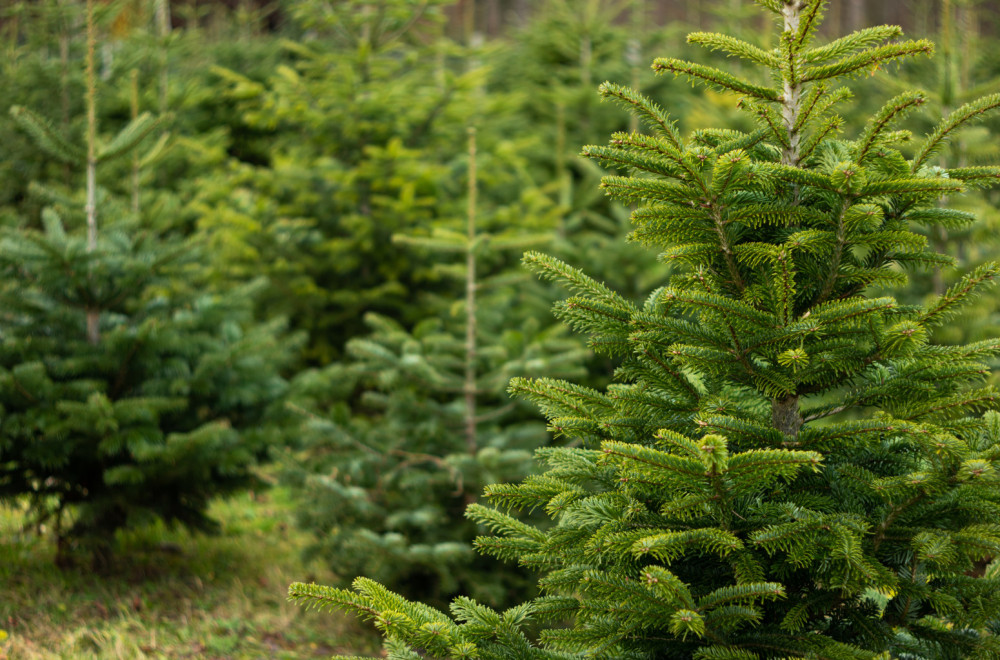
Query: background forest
[{"x": 262, "y": 290}]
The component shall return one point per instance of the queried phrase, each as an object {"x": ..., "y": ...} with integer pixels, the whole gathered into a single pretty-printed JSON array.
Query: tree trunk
[
  {"x": 471, "y": 441},
  {"x": 163, "y": 28},
  {"x": 90, "y": 208},
  {"x": 785, "y": 415},
  {"x": 134, "y": 102}
]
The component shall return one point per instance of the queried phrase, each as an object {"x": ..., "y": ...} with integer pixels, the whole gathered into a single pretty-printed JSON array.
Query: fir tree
[
  {"x": 552, "y": 66},
  {"x": 123, "y": 400},
  {"x": 369, "y": 116},
  {"x": 786, "y": 467},
  {"x": 408, "y": 429}
]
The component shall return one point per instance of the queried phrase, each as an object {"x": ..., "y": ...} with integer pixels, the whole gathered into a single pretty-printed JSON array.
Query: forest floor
[{"x": 173, "y": 594}]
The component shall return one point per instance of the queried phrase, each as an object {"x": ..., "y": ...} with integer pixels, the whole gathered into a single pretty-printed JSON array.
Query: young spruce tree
[
  {"x": 786, "y": 468},
  {"x": 122, "y": 400},
  {"x": 406, "y": 431}
]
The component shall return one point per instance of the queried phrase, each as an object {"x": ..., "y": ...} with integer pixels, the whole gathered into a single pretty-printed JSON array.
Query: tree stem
[
  {"x": 635, "y": 52},
  {"x": 471, "y": 441},
  {"x": 163, "y": 29},
  {"x": 785, "y": 413},
  {"x": 134, "y": 99},
  {"x": 792, "y": 100},
  {"x": 93, "y": 315}
]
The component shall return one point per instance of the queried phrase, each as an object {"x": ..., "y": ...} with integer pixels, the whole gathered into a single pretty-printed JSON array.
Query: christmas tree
[
  {"x": 123, "y": 399},
  {"x": 406, "y": 431},
  {"x": 786, "y": 466},
  {"x": 368, "y": 114}
]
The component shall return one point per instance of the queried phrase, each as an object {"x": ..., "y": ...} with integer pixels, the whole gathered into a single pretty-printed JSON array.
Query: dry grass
[{"x": 173, "y": 595}]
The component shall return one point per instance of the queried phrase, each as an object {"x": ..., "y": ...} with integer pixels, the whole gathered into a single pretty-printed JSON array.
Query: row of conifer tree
[{"x": 769, "y": 412}]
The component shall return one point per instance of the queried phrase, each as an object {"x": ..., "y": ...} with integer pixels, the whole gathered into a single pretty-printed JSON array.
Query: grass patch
[{"x": 173, "y": 594}]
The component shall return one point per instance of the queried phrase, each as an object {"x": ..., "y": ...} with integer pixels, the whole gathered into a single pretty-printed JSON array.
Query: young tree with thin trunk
[
  {"x": 124, "y": 400},
  {"x": 382, "y": 485}
]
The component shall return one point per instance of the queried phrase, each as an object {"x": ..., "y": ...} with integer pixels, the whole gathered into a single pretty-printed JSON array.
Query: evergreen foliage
[
  {"x": 959, "y": 74},
  {"x": 785, "y": 467},
  {"x": 550, "y": 70},
  {"x": 123, "y": 400},
  {"x": 369, "y": 117},
  {"x": 406, "y": 431}
]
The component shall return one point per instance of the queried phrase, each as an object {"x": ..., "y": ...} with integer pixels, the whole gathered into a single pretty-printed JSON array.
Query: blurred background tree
[{"x": 124, "y": 399}]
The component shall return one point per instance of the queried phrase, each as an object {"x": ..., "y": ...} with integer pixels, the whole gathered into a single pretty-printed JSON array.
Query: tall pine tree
[{"x": 786, "y": 468}]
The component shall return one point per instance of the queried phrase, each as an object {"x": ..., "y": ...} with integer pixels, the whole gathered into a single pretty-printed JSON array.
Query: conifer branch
[
  {"x": 129, "y": 137},
  {"x": 959, "y": 293},
  {"x": 892, "y": 111},
  {"x": 798, "y": 176},
  {"x": 910, "y": 187},
  {"x": 763, "y": 435},
  {"x": 830, "y": 126},
  {"x": 833, "y": 271},
  {"x": 980, "y": 400},
  {"x": 553, "y": 269},
  {"x": 949, "y": 124},
  {"x": 824, "y": 436},
  {"x": 722, "y": 305},
  {"x": 558, "y": 395},
  {"x": 860, "y": 40},
  {"x": 46, "y": 136},
  {"x": 647, "y": 110},
  {"x": 891, "y": 517},
  {"x": 658, "y": 146},
  {"x": 736, "y": 47},
  {"x": 785, "y": 279},
  {"x": 635, "y": 191},
  {"x": 828, "y": 412},
  {"x": 980, "y": 177},
  {"x": 745, "y": 141},
  {"x": 770, "y": 118},
  {"x": 818, "y": 100},
  {"x": 872, "y": 58},
  {"x": 714, "y": 77},
  {"x": 720, "y": 231},
  {"x": 627, "y": 159},
  {"x": 808, "y": 20},
  {"x": 770, "y": 5},
  {"x": 677, "y": 376}
]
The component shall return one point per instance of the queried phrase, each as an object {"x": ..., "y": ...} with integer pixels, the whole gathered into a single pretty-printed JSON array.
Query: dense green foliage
[
  {"x": 365, "y": 148},
  {"x": 160, "y": 415},
  {"x": 309, "y": 162},
  {"x": 785, "y": 466},
  {"x": 383, "y": 487},
  {"x": 383, "y": 482},
  {"x": 266, "y": 179},
  {"x": 124, "y": 398},
  {"x": 960, "y": 73}
]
